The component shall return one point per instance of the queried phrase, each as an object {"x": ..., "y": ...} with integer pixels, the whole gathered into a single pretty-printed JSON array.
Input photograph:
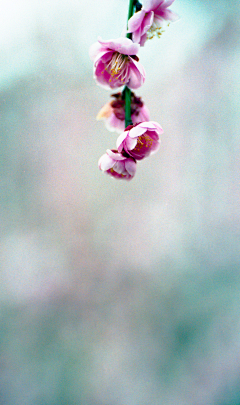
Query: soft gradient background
[{"x": 119, "y": 293}]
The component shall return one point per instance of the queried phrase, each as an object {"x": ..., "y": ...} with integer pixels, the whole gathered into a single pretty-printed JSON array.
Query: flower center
[
  {"x": 117, "y": 66},
  {"x": 143, "y": 141},
  {"x": 155, "y": 29}
]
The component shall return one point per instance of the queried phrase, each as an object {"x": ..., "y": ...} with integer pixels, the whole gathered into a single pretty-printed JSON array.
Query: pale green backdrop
[{"x": 119, "y": 293}]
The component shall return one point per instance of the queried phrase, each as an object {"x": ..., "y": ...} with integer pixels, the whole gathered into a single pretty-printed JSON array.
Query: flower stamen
[
  {"x": 155, "y": 30},
  {"x": 143, "y": 141},
  {"x": 117, "y": 66}
]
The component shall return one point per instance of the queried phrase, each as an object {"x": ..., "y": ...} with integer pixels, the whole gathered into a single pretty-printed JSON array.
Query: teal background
[{"x": 118, "y": 293}]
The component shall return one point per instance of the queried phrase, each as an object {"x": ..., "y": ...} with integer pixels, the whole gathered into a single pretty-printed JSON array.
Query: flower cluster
[{"x": 116, "y": 64}]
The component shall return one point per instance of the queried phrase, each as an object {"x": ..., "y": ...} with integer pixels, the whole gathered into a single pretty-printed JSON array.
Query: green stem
[
  {"x": 130, "y": 13},
  {"x": 127, "y": 92},
  {"x": 127, "y": 95}
]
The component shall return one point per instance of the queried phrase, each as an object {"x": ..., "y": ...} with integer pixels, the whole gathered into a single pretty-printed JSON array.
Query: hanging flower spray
[{"x": 116, "y": 64}]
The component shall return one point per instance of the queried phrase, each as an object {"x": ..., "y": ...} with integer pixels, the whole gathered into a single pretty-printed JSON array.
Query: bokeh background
[{"x": 113, "y": 292}]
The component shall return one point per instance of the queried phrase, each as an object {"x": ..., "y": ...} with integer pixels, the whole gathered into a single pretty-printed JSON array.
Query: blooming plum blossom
[
  {"x": 116, "y": 63},
  {"x": 113, "y": 113},
  {"x": 140, "y": 140},
  {"x": 147, "y": 22},
  {"x": 117, "y": 165}
]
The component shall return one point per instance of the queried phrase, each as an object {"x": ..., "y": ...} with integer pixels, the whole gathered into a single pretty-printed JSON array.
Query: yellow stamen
[
  {"x": 143, "y": 141},
  {"x": 117, "y": 66},
  {"x": 155, "y": 30}
]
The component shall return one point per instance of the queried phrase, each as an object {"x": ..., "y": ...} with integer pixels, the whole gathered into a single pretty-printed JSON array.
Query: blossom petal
[
  {"x": 158, "y": 127},
  {"x": 136, "y": 36},
  {"x": 137, "y": 131},
  {"x": 143, "y": 40},
  {"x": 149, "y": 5},
  {"x": 144, "y": 114},
  {"x": 131, "y": 166},
  {"x": 130, "y": 143},
  {"x": 103, "y": 56},
  {"x": 137, "y": 75},
  {"x": 148, "y": 20},
  {"x": 94, "y": 50},
  {"x": 167, "y": 15},
  {"x": 150, "y": 126},
  {"x": 155, "y": 147},
  {"x": 168, "y": 3},
  {"x": 120, "y": 140},
  {"x": 114, "y": 124},
  {"x": 136, "y": 20},
  {"x": 122, "y": 45},
  {"x": 141, "y": 29},
  {"x": 105, "y": 112},
  {"x": 105, "y": 162},
  {"x": 115, "y": 155},
  {"x": 119, "y": 167}
]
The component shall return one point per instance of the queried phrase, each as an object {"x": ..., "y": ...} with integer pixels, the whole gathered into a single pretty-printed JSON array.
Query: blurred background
[{"x": 113, "y": 292}]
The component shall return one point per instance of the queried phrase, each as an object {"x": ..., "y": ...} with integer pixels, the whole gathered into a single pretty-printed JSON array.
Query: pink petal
[
  {"x": 168, "y": 3},
  {"x": 137, "y": 131},
  {"x": 155, "y": 147},
  {"x": 102, "y": 76},
  {"x": 148, "y": 125},
  {"x": 130, "y": 143},
  {"x": 119, "y": 167},
  {"x": 122, "y": 45},
  {"x": 141, "y": 29},
  {"x": 158, "y": 127},
  {"x": 136, "y": 20},
  {"x": 115, "y": 155},
  {"x": 120, "y": 140},
  {"x": 137, "y": 75},
  {"x": 144, "y": 114},
  {"x": 114, "y": 124},
  {"x": 148, "y": 20},
  {"x": 166, "y": 15},
  {"x": 94, "y": 50},
  {"x": 151, "y": 126},
  {"x": 131, "y": 166},
  {"x": 105, "y": 162},
  {"x": 103, "y": 56},
  {"x": 136, "y": 36},
  {"x": 143, "y": 40},
  {"x": 149, "y": 5},
  {"x": 100, "y": 69},
  {"x": 171, "y": 16}
]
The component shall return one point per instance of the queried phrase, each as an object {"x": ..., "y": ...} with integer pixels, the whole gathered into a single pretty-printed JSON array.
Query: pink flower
[
  {"x": 116, "y": 63},
  {"x": 113, "y": 113},
  {"x": 117, "y": 165},
  {"x": 148, "y": 22},
  {"x": 140, "y": 140}
]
